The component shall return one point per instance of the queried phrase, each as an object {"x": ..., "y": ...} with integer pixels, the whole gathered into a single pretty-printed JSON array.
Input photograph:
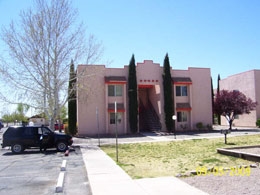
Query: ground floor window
[
  {"x": 113, "y": 117},
  {"x": 182, "y": 117},
  {"x": 236, "y": 116}
]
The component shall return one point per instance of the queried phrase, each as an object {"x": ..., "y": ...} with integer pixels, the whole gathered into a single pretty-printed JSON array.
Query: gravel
[{"x": 226, "y": 184}]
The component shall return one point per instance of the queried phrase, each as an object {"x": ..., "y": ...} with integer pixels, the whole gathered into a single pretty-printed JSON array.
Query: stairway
[{"x": 149, "y": 120}]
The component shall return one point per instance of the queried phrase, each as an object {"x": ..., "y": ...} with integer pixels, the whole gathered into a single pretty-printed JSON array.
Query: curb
[
  {"x": 63, "y": 165},
  {"x": 60, "y": 182},
  {"x": 59, "y": 186}
]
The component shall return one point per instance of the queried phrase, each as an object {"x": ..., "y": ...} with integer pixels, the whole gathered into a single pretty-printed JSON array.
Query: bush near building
[{"x": 258, "y": 123}]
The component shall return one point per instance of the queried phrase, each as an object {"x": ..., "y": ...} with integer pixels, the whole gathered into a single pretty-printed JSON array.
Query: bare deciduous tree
[{"x": 40, "y": 48}]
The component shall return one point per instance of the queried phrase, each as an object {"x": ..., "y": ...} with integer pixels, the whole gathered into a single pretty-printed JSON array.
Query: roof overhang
[
  {"x": 181, "y": 80},
  {"x": 119, "y": 106},
  {"x": 183, "y": 107},
  {"x": 145, "y": 86},
  {"x": 115, "y": 80}
]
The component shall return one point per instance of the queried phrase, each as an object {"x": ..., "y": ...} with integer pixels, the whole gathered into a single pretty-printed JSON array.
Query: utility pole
[
  {"x": 116, "y": 133},
  {"x": 98, "y": 126}
]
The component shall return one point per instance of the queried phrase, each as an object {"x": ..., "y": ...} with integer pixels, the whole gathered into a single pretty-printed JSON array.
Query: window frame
[
  {"x": 183, "y": 90},
  {"x": 182, "y": 116},
  {"x": 119, "y": 118},
  {"x": 115, "y": 90}
]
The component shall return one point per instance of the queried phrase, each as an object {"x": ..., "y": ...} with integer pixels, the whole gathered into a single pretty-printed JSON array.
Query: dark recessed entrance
[{"x": 148, "y": 116}]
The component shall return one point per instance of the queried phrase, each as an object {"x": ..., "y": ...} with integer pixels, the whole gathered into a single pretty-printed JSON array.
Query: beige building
[
  {"x": 38, "y": 120},
  {"x": 248, "y": 83},
  {"x": 100, "y": 87}
]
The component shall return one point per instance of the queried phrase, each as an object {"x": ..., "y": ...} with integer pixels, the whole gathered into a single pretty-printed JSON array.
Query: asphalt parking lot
[{"x": 37, "y": 173}]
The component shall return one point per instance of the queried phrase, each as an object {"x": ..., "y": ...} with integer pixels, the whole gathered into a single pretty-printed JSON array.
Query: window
[
  {"x": 182, "y": 117},
  {"x": 45, "y": 131},
  {"x": 113, "y": 117},
  {"x": 30, "y": 131},
  {"x": 14, "y": 132},
  {"x": 181, "y": 91},
  {"x": 115, "y": 90}
]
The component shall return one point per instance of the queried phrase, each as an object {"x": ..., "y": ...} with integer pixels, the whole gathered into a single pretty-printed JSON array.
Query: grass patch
[{"x": 157, "y": 159}]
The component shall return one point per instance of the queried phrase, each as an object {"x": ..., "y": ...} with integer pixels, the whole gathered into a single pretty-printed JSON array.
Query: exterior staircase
[{"x": 149, "y": 120}]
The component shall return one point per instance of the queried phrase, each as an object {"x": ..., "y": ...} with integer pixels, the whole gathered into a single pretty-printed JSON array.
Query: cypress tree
[
  {"x": 72, "y": 103},
  {"x": 218, "y": 83},
  {"x": 219, "y": 116},
  {"x": 168, "y": 100},
  {"x": 212, "y": 100},
  {"x": 132, "y": 95}
]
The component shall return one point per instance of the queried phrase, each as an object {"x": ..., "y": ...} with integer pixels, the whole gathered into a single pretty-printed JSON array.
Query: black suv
[
  {"x": 1, "y": 125},
  {"x": 22, "y": 137}
]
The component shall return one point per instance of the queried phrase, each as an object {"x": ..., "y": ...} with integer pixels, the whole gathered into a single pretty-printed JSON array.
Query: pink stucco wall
[
  {"x": 248, "y": 83},
  {"x": 201, "y": 100},
  {"x": 199, "y": 95},
  {"x": 92, "y": 95}
]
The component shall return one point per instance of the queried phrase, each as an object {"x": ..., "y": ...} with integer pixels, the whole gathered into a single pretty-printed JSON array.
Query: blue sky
[{"x": 223, "y": 35}]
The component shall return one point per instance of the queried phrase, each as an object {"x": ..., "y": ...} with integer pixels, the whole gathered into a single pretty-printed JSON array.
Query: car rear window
[{"x": 13, "y": 131}]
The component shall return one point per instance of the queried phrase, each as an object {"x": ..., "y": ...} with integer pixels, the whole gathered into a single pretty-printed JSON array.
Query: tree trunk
[{"x": 230, "y": 124}]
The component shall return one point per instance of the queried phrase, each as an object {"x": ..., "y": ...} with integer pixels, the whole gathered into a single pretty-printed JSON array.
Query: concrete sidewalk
[{"x": 106, "y": 177}]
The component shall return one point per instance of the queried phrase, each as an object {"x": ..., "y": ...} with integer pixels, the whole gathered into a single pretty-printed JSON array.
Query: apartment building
[
  {"x": 102, "y": 89},
  {"x": 248, "y": 83}
]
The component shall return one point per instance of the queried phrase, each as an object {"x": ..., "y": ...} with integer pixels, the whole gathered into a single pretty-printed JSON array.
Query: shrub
[
  {"x": 209, "y": 127},
  {"x": 199, "y": 125},
  {"x": 258, "y": 123}
]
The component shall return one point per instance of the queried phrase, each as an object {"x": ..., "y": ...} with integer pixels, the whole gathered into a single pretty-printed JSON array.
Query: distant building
[
  {"x": 248, "y": 83},
  {"x": 100, "y": 87},
  {"x": 38, "y": 119}
]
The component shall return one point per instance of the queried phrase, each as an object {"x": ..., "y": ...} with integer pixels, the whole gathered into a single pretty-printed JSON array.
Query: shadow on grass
[{"x": 231, "y": 144}]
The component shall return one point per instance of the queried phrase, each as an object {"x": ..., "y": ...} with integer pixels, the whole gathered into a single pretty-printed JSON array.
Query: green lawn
[{"x": 170, "y": 158}]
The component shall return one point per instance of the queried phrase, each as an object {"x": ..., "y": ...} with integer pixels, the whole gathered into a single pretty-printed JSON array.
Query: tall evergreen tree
[
  {"x": 212, "y": 100},
  {"x": 218, "y": 115},
  {"x": 218, "y": 84},
  {"x": 168, "y": 100},
  {"x": 132, "y": 95},
  {"x": 72, "y": 103}
]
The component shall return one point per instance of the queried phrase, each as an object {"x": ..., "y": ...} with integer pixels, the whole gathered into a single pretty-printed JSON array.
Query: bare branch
[{"x": 40, "y": 48}]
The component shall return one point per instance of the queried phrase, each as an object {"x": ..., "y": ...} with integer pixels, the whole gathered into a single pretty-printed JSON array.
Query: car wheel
[
  {"x": 17, "y": 148},
  {"x": 62, "y": 146}
]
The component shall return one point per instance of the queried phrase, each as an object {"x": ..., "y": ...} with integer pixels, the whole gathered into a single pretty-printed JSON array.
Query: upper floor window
[
  {"x": 115, "y": 90},
  {"x": 181, "y": 91}
]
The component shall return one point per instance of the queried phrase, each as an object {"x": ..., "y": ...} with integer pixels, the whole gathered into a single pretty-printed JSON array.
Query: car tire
[
  {"x": 62, "y": 146},
  {"x": 17, "y": 148}
]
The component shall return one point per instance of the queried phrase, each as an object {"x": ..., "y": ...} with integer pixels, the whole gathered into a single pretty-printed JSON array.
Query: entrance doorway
[{"x": 148, "y": 117}]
